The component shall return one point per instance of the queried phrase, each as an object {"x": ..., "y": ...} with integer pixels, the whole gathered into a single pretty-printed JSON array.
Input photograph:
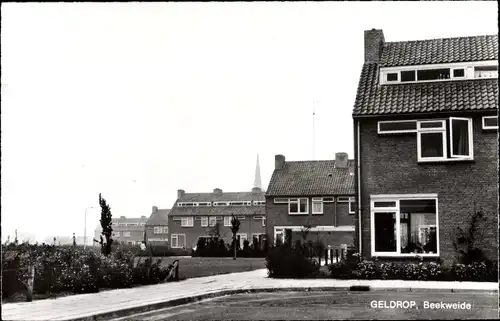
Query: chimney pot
[
  {"x": 217, "y": 191},
  {"x": 279, "y": 161},
  {"x": 180, "y": 193},
  {"x": 374, "y": 43},
  {"x": 341, "y": 160},
  {"x": 155, "y": 209}
]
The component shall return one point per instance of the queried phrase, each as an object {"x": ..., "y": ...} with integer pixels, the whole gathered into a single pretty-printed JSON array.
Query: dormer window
[{"x": 439, "y": 72}]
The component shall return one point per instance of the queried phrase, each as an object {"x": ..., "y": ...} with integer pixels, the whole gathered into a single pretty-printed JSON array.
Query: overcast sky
[{"x": 137, "y": 100}]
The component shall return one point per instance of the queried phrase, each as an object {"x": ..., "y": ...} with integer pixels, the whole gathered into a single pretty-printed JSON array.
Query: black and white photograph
[{"x": 305, "y": 160}]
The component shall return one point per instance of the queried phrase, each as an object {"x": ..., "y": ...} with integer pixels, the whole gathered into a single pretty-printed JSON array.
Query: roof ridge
[{"x": 446, "y": 38}]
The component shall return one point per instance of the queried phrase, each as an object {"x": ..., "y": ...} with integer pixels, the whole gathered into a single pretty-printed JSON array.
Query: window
[
  {"x": 117, "y": 233},
  {"x": 241, "y": 237},
  {"x": 221, "y": 203},
  {"x": 407, "y": 230},
  {"x": 187, "y": 221},
  {"x": 392, "y": 76},
  {"x": 397, "y": 126},
  {"x": 433, "y": 74},
  {"x": 204, "y": 203},
  {"x": 459, "y": 73},
  {"x": 351, "y": 205},
  {"x": 486, "y": 72},
  {"x": 317, "y": 206},
  {"x": 298, "y": 206},
  {"x": 257, "y": 239},
  {"x": 279, "y": 236},
  {"x": 178, "y": 240},
  {"x": 237, "y": 203},
  {"x": 328, "y": 199},
  {"x": 142, "y": 224},
  {"x": 204, "y": 221},
  {"x": 227, "y": 221},
  {"x": 126, "y": 234},
  {"x": 212, "y": 221},
  {"x": 408, "y": 75},
  {"x": 260, "y": 218},
  {"x": 264, "y": 221},
  {"x": 281, "y": 200},
  {"x": 165, "y": 230},
  {"x": 157, "y": 230},
  {"x": 490, "y": 122},
  {"x": 441, "y": 140},
  {"x": 342, "y": 199},
  {"x": 260, "y": 203}
]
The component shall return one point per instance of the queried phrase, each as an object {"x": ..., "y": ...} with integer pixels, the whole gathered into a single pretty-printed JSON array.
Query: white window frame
[
  {"x": 187, "y": 221},
  {"x": 221, "y": 203},
  {"x": 343, "y": 199},
  {"x": 279, "y": 231},
  {"x": 298, "y": 201},
  {"x": 403, "y": 131},
  {"x": 468, "y": 67},
  {"x": 447, "y": 139},
  {"x": 165, "y": 230},
  {"x": 117, "y": 233},
  {"x": 126, "y": 234},
  {"x": 204, "y": 221},
  {"x": 157, "y": 230},
  {"x": 489, "y": 127},
  {"x": 264, "y": 221},
  {"x": 205, "y": 204},
  {"x": 328, "y": 199},
  {"x": 175, "y": 245},
  {"x": 315, "y": 201},
  {"x": 227, "y": 221},
  {"x": 259, "y": 203},
  {"x": 255, "y": 235},
  {"x": 243, "y": 237},
  {"x": 397, "y": 198},
  {"x": 351, "y": 202},
  {"x": 280, "y": 200},
  {"x": 212, "y": 220}
]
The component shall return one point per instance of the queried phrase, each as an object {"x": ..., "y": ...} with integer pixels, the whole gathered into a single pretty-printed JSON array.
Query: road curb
[{"x": 122, "y": 313}]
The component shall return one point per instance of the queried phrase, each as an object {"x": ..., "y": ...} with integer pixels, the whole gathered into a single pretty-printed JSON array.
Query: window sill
[
  {"x": 409, "y": 255},
  {"x": 318, "y": 213},
  {"x": 446, "y": 161},
  {"x": 297, "y": 214}
]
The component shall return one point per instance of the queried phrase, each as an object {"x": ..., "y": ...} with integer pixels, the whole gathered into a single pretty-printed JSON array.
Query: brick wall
[
  {"x": 248, "y": 225},
  {"x": 136, "y": 234},
  {"x": 389, "y": 166},
  {"x": 151, "y": 235},
  {"x": 334, "y": 214}
]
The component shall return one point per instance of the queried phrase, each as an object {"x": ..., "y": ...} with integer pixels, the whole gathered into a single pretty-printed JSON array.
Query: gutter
[{"x": 359, "y": 187}]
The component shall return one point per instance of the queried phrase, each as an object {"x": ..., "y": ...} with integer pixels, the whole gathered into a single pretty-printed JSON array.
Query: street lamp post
[{"x": 85, "y": 228}]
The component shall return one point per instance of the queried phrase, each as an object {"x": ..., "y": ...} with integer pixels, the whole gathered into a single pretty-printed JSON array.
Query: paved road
[{"x": 328, "y": 305}]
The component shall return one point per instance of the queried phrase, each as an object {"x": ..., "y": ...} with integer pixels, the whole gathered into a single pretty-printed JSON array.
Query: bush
[
  {"x": 340, "y": 270},
  {"x": 285, "y": 261}
]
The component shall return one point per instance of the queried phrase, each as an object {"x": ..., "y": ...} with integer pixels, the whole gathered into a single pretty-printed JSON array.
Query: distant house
[
  {"x": 317, "y": 196},
  {"x": 157, "y": 227},
  {"x": 195, "y": 215},
  {"x": 426, "y": 131},
  {"x": 126, "y": 230}
]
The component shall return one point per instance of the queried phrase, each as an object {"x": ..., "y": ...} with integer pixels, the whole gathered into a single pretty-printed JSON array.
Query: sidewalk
[{"x": 108, "y": 304}]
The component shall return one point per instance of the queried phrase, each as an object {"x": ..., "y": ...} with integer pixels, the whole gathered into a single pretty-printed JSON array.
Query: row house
[
  {"x": 126, "y": 230},
  {"x": 157, "y": 227},
  {"x": 426, "y": 145},
  {"x": 312, "y": 200},
  {"x": 203, "y": 215}
]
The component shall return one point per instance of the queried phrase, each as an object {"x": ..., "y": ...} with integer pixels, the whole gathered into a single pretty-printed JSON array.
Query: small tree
[
  {"x": 235, "y": 227},
  {"x": 107, "y": 228},
  {"x": 74, "y": 240},
  {"x": 466, "y": 244}
]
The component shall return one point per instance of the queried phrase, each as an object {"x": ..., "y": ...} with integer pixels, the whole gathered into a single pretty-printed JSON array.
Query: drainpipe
[
  {"x": 359, "y": 187},
  {"x": 334, "y": 212}
]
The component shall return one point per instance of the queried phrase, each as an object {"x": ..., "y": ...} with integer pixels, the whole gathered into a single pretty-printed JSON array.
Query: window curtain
[{"x": 460, "y": 137}]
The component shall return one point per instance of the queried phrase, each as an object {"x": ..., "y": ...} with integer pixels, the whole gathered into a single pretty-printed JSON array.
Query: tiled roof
[
  {"x": 160, "y": 217},
  {"x": 465, "y": 95},
  {"x": 309, "y": 178},
  {"x": 445, "y": 50},
  {"x": 129, "y": 219},
  {"x": 218, "y": 210}
]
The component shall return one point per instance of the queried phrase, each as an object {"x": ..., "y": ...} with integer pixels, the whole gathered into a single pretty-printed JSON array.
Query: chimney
[
  {"x": 217, "y": 191},
  {"x": 180, "y": 193},
  {"x": 279, "y": 161},
  {"x": 341, "y": 160},
  {"x": 155, "y": 209},
  {"x": 144, "y": 217},
  {"x": 256, "y": 190},
  {"x": 374, "y": 43}
]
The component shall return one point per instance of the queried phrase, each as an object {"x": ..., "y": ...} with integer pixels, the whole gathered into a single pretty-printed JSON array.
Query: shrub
[
  {"x": 368, "y": 270},
  {"x": 288, "y": 262},
  {"x": 340, "y": 270}
]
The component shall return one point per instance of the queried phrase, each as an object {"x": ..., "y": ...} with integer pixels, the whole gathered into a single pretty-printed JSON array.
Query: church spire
[{"x": 257, "y": 182}]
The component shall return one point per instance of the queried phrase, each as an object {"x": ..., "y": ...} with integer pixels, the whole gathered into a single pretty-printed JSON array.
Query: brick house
[
  {"x": 425, "y": 134},
  {"x": 157, "y": 227},
  {"x": 195, "y": 215},
  {"x": 126, "y": 230},
  {"x": 314, "y": 194}
]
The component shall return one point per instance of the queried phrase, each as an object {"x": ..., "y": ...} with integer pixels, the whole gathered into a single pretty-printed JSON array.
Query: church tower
[{"x": 257, "y": 183}]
